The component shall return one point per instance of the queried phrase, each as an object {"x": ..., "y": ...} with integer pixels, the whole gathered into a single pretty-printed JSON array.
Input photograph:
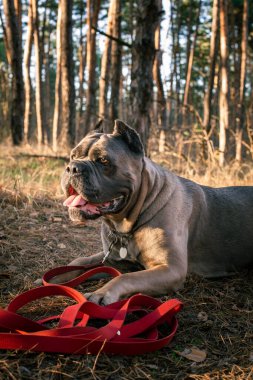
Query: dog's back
[{"x": 220, "y": 241}]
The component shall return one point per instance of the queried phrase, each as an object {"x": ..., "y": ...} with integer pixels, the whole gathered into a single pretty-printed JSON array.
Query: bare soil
[{"x": 36, "y": 235}]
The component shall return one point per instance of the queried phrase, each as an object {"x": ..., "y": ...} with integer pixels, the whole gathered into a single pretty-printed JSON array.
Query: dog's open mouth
[{"x": 77, "y": 203}]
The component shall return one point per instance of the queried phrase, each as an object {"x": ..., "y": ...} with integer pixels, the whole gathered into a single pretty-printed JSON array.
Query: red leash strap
[{"x": 75, "y": 334}]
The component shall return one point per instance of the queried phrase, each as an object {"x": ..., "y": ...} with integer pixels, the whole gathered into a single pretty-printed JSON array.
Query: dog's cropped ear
[
  {"x": 129, "y": 136},
  {"x": 99, "y": 126}
]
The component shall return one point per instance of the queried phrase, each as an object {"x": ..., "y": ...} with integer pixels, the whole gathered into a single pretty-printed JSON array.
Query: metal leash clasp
[
  {"x": 109, "y": 251},
  {"x": 105, "y": 256}
]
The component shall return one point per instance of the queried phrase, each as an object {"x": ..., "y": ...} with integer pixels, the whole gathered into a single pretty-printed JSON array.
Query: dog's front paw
[{"x": 101, "y": 298}]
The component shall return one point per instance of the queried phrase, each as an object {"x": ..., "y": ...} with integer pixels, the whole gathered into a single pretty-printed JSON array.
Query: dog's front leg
[{"x": 158, "y": 280}]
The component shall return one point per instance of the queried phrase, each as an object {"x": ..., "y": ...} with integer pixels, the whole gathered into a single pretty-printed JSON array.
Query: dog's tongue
[
  {"x": 78, "y": 201},
  {"x": 74, "y": 201}
]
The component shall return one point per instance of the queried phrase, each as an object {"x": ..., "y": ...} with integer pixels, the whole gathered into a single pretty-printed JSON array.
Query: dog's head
[{"x": 104, "y": 173}]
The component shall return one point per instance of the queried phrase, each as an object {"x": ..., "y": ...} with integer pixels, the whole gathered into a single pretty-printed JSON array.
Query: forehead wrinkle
[
  {"x": 97, "y": 150},
  {"x": 100, "y": 146},
  {"x": 82, "y": 149}
]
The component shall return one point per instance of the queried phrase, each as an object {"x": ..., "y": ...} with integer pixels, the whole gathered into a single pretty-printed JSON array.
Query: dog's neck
[{"x": 126, "y": 222}]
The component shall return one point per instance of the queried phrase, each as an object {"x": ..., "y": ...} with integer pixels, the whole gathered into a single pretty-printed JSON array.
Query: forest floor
[{"x": 36, "y": 235}]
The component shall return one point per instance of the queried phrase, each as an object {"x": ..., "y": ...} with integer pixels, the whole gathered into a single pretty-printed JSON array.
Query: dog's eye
[{"x": 102, "y": 160}]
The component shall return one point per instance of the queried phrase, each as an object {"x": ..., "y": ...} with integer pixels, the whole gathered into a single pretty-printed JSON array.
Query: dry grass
[{"x": 36, "y": 234}]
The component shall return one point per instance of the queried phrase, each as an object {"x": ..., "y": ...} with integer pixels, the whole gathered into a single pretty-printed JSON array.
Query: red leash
[{"x": 73, "y": 335}]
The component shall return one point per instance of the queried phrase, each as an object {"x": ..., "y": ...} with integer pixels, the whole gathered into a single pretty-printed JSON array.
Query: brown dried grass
[{"x": 36, "y": 234}]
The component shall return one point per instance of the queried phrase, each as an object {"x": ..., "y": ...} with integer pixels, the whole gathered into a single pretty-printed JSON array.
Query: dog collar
[{"x": 123, "y": 239}]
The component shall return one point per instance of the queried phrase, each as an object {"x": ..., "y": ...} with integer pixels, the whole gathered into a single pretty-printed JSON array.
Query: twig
[
  {"x": 64, "y": 158},
  {"x": 121, "y": 42},
  {"x": 98, "y": 354}
]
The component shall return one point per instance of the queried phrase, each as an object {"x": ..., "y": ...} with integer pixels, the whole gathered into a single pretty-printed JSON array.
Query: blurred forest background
[{"x": 179, "y": 71}]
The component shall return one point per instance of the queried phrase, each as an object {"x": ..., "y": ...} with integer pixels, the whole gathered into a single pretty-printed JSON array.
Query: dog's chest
[{"x": 120, "y": 251}]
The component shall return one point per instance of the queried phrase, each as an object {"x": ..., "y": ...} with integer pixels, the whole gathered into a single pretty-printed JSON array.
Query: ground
[{"x": 36, "y": 234}]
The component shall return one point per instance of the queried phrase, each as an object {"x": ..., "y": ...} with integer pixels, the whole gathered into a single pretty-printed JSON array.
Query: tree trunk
[
  {"x": 57, "y": 99},
  {"x": 27, "y": 78},
  {"x": 105, "y": 64},
  {"x": 143, "y": 54},
  {"x": 38, "y": 92},
  {"x": 92, "y": 18},
  {"x": 241, "y": 109},
  {"x": 7, "y": 50},
  {"x": 223, "y": 101},
  {"x": 18, "y": 10},
  {"x": 212, "y": 60},
  {"x": 189, "y": 67},
  {"x": 14, "y": 46},
  {"x": 46, "y": 87},
  {"x": 82, "y": 62},
  {"x": 115, "y": 62},
  {"x": 161, "y": 101},
  {"x": 173, "y": 68},
  {"x": 44, "y": 54},
  {"x": 67, "y": 76}
]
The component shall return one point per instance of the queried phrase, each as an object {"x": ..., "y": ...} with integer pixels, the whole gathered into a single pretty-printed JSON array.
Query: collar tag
[{"x": 123, "y": 252}]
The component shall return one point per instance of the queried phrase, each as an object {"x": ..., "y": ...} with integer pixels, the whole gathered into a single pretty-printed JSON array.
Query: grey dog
[{"x": 156, "y": 226}]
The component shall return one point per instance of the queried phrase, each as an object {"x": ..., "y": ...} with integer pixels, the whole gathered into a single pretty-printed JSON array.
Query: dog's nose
[{"x": 74, "y": 167}]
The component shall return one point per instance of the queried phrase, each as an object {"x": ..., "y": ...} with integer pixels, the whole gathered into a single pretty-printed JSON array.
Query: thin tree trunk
[
  {"x": 7, "y": 49},
  {"x": 47, "y": 90},
  {"x": 93, "y": 7},
  {"x": 235, "y": 60},
  {"x": 189, "y": 66},
  {"x": 105, "y": 64},
  {"x": 177, "y": 63},
  {"x": 173, "y": 68},
  {"x": 38, "y": 92},
  {"x": 44, "y": 53},
  {"x": 115, "y": 62},
  {"x": 143, "y": 54},
  {"x": 223, "y": 101},
  {"x": 82, "y": 62},
  {"x": 161, "y": 101},
  {"x": 241, "y": 109},
  {"x": 27, "y": 78},
  {"x": 57, "y": 99},
  {"x": 18, "y": 10},
  {"x": 67, "y": 76},
  {"x": 212, "y": 60},
  {"x": 15, "y": 54}
]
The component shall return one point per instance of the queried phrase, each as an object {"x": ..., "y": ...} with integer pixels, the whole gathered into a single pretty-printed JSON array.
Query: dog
[{"x": 156, "y": 226}]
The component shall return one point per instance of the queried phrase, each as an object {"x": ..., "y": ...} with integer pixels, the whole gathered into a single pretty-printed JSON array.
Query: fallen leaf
[
  {"x": 56, "y": 219},
  {"x": 38, "y": 282},
  {"x": 61, "y": 246},
  {"x": 202, "y": 316},
  {"x": 3, "y": 235},
  {"x": 194, "y": 354},
  {"x": 34, "y": 214}
]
